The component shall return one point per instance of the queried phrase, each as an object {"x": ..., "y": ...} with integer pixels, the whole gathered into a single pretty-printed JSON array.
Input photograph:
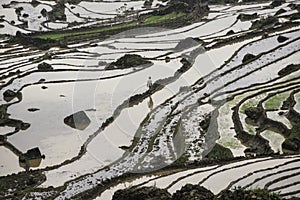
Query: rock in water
[
  {"x": 281, "y": 39},
  {"x": 78, "y": 120},
  {"x": 248, "y": 57}
]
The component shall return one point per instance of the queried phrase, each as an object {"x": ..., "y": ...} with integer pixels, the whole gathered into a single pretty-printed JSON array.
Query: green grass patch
[
  {"x": 148, "y": 21},
  {"x": 276, "y": 101},
  {"x": 248, "y": 104},
  {"x": 158, "y": 19},
  {"x": 56, "y": 36},
  {"x": 219, "y": 152},
  {"x": 295, "y": 133},
  {"x": 250, "y": 129}
]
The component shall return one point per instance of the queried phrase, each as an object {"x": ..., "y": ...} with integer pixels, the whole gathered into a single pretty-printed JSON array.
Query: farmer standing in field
[{"x": 149, "y": 83}]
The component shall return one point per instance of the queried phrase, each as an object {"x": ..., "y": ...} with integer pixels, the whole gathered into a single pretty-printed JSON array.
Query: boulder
[
  {"x": 45, "y": 67},
  {"x": 78, "y": 120}
]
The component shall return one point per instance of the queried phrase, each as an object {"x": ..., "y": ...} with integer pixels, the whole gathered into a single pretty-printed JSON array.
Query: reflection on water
[{"x": 150, "y": 103}]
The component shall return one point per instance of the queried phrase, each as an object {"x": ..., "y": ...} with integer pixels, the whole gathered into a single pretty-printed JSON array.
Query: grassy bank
[{"x": 148, "y": 21}]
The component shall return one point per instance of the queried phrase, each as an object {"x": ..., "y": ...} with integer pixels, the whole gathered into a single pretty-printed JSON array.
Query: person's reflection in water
[{"x": 150, "y": 103}]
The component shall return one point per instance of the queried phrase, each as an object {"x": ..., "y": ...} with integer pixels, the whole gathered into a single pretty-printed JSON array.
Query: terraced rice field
[{"x": 211, "y": 102}]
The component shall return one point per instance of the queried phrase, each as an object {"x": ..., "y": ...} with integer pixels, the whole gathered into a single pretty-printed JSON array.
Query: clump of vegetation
[
  {"x": 289, "y": 69},
  {"x": 280, "y": 11},
  {"x": 239, "y": 193},
  {"x": 292, "y": 143},
  {"x": 255, "y": 113},
  {"x": 21, "y": 183},
  {"x": 147, "y": 193},
  {"x": 148, "y": 3},
  {"x": 264, "y": 22},
  {"x": 219, "y": 152},
  {"x": 221, "y": 1},
  {"x": 277, "y": 3},
  {"x": 189, "y": 192},
  {"x": 57, "y": 12},
  {"x": 40, "y": 43},
  {"x": 127, "y": 61},
  {"x": 151, "y": 20},
  {"x": 295, "y": 16},
  {"x": 247, "y": 17},
  {"x": 44, "y": 67}
]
